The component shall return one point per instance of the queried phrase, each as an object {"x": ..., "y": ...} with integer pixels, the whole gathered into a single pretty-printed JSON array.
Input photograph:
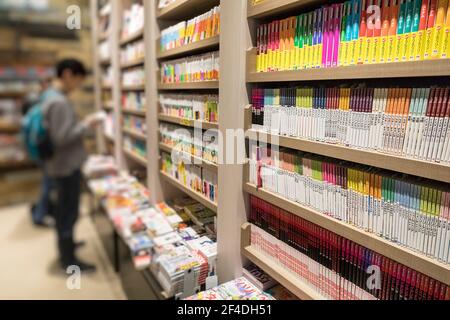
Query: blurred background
[{"x": 33, "y": 37}]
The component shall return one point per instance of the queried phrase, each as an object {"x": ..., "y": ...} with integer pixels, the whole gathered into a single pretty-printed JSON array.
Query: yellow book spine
[
  {"x": 358, "y": 54},
  {"x": 383, "y": 49},
  {"x": 375, "y": 50},
  {"x": 418, "y": 45},
  {"x": 353, "y": 52},
  {"x": 428, "y": 44},
  {"x": 397, "y": 49},
  {"x": 258, "y": 63},
  {"x": 365, "y": 54},
  {"x": 445, "y": 51},
  {"x": 344, "y": 55},
  {"x": 341, "y": 54},
  {"x": 391, "y": 43},
  {"x": 306, "y": 58},
  {"x": 314, "y": 56},
  {"x": 319, "y": 55},
  {"x": 436, "y": 42},
  {"x": 295, "y": 57},
  {"x": 410, "y": 46},
  {"x": 403, "y": 54}
]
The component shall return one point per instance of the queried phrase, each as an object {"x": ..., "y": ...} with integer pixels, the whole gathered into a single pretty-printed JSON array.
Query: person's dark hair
[{"x": 76, "y": 66}]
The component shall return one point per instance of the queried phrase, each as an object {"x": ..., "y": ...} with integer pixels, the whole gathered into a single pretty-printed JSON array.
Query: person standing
[{"x": 64, "y": 166}]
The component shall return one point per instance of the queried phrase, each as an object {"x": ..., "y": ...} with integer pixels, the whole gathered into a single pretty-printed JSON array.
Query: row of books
[
  {"x": 196, "y": 178},
  {"x": 335, "y": 267},
  {"x": 158, "y": 237},
  {"x": 237, "y": 289},
  {"x": 408, "y": 211},
  {"x": 132, "y": 52},
  {"x": 136, "y": 146},
  {"x": 134, "y": 100},
  {"x": 192, "y": 69},
  {"x": 356, "y": 32},
  {"x": 191, "y": 106},
  {"x": 133, "y": 77},
  {"x": 202, "y": 27},
  {"x": 136, "y": 124},
  {"x": 204, "y": 145},
  {"x": 133, "y": 20},
  {"x": 410, "y": 122}
]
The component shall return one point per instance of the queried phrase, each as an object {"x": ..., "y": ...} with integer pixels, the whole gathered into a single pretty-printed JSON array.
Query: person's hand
[{"x": 94, "y": 120}]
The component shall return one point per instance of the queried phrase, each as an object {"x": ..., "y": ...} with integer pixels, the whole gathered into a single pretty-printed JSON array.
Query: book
[{"x": 258, "y": 277}]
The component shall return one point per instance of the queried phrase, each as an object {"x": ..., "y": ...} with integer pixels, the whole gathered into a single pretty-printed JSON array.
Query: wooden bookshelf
[
  {"x": 15, "y": 165},
  {"x": 134, "y": 88},
  {"x": 426, "y": 68},
  {"x": 414, "y": 260},
  {"x": 201, "y": 85},
  {"x": 183, "y": 9},
  {"x": 276, "y": 7},
  {"x": 103, "y": 36},
  {"x": 108, "y": 138},
  {"x": 139, "y": 113},
  {"x": 426, "y": 169},
  {"x": 188, "y": 123},
  {"x": 133, "y": 63},
  {"x": 132, "y": 37},
  {"x": 137, "y": 158},
  {"x": 193, "y": 194},
  {"x": 192, "y": 48},
  {"x": 282, "y": 275},
  {"x": 213, "y": 167},
  {"x": 134, "y": 134}
]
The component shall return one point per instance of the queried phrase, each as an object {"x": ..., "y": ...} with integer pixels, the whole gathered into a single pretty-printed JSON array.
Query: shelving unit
[{"x": 239, "y": 19}]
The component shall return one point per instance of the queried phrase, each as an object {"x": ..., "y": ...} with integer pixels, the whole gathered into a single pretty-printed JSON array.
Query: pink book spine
[
  {"x": 330, "y": 33},
  {"x": 324, "y": 36},
  {"x": 337, "y": 33}
]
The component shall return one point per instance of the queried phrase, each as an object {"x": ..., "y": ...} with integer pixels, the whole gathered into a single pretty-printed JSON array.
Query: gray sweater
[{"x": 66, "y": 134}]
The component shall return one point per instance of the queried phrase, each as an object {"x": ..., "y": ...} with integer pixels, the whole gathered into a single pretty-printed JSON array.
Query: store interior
[{"x": 245, "y": 149}]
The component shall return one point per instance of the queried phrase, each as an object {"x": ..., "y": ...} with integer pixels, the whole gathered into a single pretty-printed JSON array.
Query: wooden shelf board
[
  {"x": 132, "y": 37},
  {"x": 283, "y": 276},
  {"x": 427, "y": 68},
  {"x": 193, "y": 194},
  {"x": 134, "y": 134},
  {"x": 133, "y": 88},
  {"x": 203, "y": 45},
  {"x": 139, "y": 113},
  {"x": 183, "y": 9},
  {"x": 108, "y": 106},
  {"x": 108, "y": 138},
  {"x": 135, "y": 157},
  {"x": 416, "y": 261},
  {"x": 103, "y": 36},
  {"x": 133, "y": 63},
  {"x": 9, "y": 128},
  {"x": 189, "y": 85},
  {"x": 274, "y": 7},
  {"x": 424, "y": 169},
  {"x": 213, "y": 167},
  {"x": 188, "y": 123}
]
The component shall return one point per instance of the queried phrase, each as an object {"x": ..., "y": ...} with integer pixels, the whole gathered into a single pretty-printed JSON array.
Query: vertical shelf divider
[{"x": 232, "y": 100}]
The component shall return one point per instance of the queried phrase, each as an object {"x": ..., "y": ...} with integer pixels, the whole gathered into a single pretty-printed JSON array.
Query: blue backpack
[{"x": 35, "y": 134}]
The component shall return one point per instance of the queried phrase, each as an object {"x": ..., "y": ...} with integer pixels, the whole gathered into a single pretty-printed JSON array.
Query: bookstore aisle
[
  {"x": 295, "y": 148},
  {"x": 271, "y": 149}
]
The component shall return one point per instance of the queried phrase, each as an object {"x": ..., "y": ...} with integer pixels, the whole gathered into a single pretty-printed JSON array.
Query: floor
[{"x": 29, "y": 268}]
